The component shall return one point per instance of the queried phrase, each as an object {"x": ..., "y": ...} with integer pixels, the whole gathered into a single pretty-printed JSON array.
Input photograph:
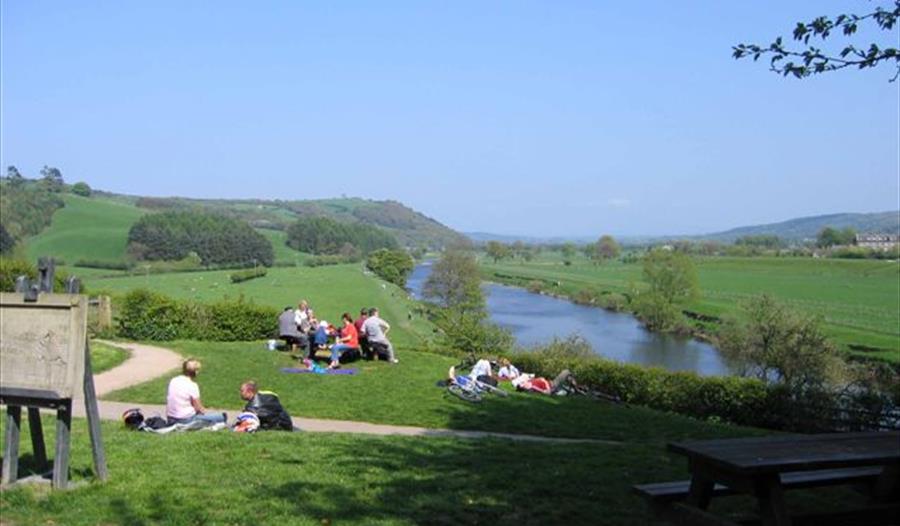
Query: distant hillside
[
  {"x": 96, "y": 228},
  {"x": 411, "y": 228},
  {"x": 808, "y": 227}
]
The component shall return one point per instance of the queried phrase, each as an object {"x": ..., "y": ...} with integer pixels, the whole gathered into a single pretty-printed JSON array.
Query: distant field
[
  {"x": 283, "y": 253},
  {"x": 86, "y": 229},
  {"x": 331, "y": 290},
  {"x": 859, "y": 300}
]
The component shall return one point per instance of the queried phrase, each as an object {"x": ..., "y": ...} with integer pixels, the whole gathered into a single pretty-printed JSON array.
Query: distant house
[{"x": 877, "y": 241}]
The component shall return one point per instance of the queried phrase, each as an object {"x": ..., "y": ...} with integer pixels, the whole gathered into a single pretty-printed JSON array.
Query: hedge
[
  {"x": 744, "y": 401},
  {"x": 146, "y": 315},
  {"x": 247, "y": 275}
]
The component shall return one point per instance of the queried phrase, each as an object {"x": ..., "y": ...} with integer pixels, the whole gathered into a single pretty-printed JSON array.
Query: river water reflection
[{"x": 535, "y": 319}]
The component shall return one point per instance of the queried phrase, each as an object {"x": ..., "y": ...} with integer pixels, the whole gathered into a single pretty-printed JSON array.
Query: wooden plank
[
  {"x": 36, "y": 429},
  {"x": 63, "y": 440},
  {"x": 11, "y": 444},
  {"x": 772, "y": 508},
  {"x": 93, "y": 417},
  {"x": 795, "y": 452}
]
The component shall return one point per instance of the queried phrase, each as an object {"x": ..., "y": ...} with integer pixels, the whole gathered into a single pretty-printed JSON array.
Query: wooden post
[
  {"x": 36, "y": 428},
  {"x": 63, "y": 442},
  {"x": 93, "y": 416},
  {"x": 73, "y": 286},
  {"x": 104, "y": 314},
  {"x": 11, "y": 446}
]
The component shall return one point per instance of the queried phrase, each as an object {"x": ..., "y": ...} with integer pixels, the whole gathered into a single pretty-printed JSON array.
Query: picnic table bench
[{"x": 766, "y": 467}]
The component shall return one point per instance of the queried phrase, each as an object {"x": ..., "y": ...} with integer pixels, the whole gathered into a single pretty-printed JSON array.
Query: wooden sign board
[{"x": 42, "y": 345}]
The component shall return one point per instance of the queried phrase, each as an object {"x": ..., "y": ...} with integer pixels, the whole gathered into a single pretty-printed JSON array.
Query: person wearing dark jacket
[{"x": 266, "y": 406}]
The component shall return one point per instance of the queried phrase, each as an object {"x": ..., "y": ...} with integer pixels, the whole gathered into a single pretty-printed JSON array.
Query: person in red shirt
[
  {"x": 349, "y": 339},
  {"x": 363, "y": 343}
]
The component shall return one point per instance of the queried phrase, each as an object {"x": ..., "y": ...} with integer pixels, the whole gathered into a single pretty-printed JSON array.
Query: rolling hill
[
  {"x": 96, "y": 228},
  {"x": 808, "y": 227}
]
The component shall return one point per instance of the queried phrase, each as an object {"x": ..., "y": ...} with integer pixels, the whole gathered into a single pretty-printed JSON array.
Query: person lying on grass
[
  {"x": 538, "y": 384},
  {"x": 183, "y": 404},
  {"x": 347, "y": 340},
  {"x": 266, "y": 406}
]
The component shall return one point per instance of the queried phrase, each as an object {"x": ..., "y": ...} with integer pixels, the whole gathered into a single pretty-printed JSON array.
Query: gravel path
[{"x": 148, "y": 362}]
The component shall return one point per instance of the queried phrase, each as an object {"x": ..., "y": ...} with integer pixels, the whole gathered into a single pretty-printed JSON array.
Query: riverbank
[{"x": 857, "y": 300}]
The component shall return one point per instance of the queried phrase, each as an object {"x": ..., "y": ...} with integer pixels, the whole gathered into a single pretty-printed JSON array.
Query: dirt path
[{"x": 148, "y": 362}]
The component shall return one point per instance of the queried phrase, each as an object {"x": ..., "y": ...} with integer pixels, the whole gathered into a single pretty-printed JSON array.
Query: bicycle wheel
[
  {"x": 490, "y": 388},
  {"x": 464, "y": 394}
]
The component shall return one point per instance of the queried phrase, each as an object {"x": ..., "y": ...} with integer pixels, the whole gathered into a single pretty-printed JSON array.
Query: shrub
[
  {"x": 109, "y": 265},
  {"x": 393, "y": 266},
  {"x": 247, "y": 275},
  {"x": 535, "y": 285},
  {"x": 613, "y": 301},
  {"x": 146, "y": 315},
  {"x": 586, "y": 296},
  {"x": 82, "y": 189},
  {"x": 321, "y": 261}
]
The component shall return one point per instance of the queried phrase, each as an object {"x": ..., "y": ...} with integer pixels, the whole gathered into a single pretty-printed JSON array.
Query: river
[{"x": 534, "y": 319}]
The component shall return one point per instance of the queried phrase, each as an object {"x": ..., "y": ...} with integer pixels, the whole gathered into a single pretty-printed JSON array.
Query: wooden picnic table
[{"x": 765, "y": 467}]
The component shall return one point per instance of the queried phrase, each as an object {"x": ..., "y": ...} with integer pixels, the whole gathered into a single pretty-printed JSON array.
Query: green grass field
[
  {"x": 283, "y": 253},
  {"x": 331, "y": 290},
  {"x": 402, "y": 394},
  {"x": 105, "y": 357},
  {"x": 93, "y": 229},
  {"x": 859, "y": 300}
]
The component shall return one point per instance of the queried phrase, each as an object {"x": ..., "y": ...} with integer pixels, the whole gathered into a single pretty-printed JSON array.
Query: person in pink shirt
[{"x": 183, "y": 404}]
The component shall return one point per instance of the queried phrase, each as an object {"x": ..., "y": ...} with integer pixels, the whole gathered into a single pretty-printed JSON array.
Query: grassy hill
[
  {"x": 411, "y": 228},
  {"x": 96, "y": 228},
  {"x": 86, "y": 229},
  {"x": 808, "y": 227}
]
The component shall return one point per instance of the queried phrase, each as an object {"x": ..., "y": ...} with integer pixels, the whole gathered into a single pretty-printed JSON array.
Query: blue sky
[{"x": 532, "y": 118}]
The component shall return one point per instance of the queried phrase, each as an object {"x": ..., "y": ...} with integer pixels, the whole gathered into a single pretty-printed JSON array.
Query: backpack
[
  {"x": 133, "y": 418},
  {"x": 156, "y": 422}
]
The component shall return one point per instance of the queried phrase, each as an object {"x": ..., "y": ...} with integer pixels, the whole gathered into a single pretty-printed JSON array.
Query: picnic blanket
[{"x": 298, "y": 370}]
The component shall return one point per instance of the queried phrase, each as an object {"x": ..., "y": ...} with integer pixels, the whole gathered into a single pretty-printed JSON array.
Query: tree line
[
  {"x": 216, "y": 239},
  {"x": 321, "y": 235}
]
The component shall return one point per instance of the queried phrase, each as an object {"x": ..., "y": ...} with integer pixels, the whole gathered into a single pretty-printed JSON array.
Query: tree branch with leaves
[{"x": 813, "y": 60}]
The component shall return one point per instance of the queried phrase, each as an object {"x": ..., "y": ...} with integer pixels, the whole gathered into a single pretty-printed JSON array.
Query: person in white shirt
[
  {"x": 183, "y": 404},
  {"x": 507, "y": 370}
]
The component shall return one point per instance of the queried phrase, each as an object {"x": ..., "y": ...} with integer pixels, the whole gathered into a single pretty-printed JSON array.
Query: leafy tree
[
  {"x": 217, "y": 239},
  {"x": 605, "y": 248},
  {"x": 761, "y": 241},
  {"x": 774, "y": 343},
  {"x": 14, "y": 177},
  {"x": 392, "y": 265},
  {"x": 26, "y": 209},
  {"x": 829, "y": 237},
  {"x": 671, "y": 275},
  {"x": 813, "y": 60},
  {"x": 497, "y": 251},
  {"x": 455, "y": 284},
  {"x": 321, "y": 235},
  {"x": 81, "y": 188},
  {"x": 455, "y": 281},
  {"x": 7, "y": 242},
  {"x": 52, "y": 179},
  {"x": 568, "y": 251}
]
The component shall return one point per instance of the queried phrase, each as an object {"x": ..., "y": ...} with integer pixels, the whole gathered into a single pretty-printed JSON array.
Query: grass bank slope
[
  {"x": 87, "y": 228},
  {"x": 331, "y": 290},
  {"x": 859, "y": 300}
]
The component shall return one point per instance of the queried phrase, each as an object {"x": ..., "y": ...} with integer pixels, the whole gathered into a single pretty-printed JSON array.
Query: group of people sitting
[
  {"x": 366, "y": 335},
  {"x": 482, "y": 371},
  {"x": 183, "y": 405}
]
